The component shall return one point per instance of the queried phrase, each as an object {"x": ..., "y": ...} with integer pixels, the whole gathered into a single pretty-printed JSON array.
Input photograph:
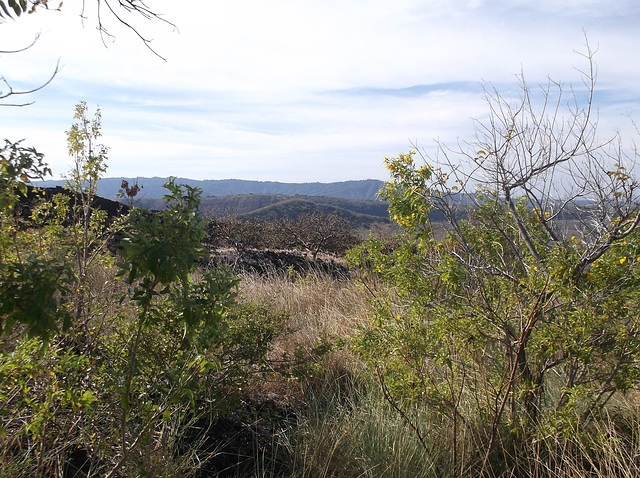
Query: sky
[{"x": 302, "y": 90}]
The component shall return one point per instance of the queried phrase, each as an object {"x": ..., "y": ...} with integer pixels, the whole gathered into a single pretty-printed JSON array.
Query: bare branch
[
  {"x": 131, "y": 6},
  {"x": 37, "y": 36},
  {"x": 542, "y": 148},
  {"x": 11, "y": 91}
]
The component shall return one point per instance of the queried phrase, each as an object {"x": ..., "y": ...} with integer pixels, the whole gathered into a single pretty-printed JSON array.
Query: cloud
[{"x": 304, "y": 90}]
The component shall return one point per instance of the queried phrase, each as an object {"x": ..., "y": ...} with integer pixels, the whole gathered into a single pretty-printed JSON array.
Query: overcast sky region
[{"x": 302, "y": 90}]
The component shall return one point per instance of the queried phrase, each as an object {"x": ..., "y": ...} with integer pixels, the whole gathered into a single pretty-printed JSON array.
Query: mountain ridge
[
  {"x": 271, "y": 207},
  {"x": 363, "y": 189}
]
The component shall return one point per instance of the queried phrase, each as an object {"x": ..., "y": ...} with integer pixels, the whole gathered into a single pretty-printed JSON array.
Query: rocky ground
[{"x": 267, "y": 262}]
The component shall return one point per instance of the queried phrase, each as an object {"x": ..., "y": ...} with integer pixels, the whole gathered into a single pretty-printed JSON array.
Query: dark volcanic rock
[
  {"x": 232, "y": 445},
  {"x": 26, "y": 203},
  {"x": 114, "y": 209},
  {"x": 267, "y": 262}
]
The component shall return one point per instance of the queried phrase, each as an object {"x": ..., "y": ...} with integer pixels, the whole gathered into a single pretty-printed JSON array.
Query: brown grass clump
[
  {"x": 318, "y": 305},
  {"x": 320, "y": 309}
]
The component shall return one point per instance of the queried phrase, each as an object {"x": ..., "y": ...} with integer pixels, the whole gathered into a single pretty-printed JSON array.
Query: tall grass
[
  {"x": 349, "y": 433},
  {"x": 345, "y": 428},
  {"x": 318, "y": 305}
]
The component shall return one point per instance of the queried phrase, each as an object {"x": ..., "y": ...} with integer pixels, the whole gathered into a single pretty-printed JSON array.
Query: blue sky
[{"x": 304, "y": 90}]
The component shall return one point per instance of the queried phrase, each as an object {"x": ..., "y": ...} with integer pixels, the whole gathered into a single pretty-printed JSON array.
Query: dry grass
[
  {"x": 320, "y": 309},
  {"x": 318, "y": 305},
  {"x": 345, "y": 428}
]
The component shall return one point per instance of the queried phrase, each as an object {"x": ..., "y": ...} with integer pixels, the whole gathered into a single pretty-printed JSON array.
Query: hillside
[
  {"x": 295, "y": 207},
  {"x": 249, "y": 203},
  {"x": 152, "y": 187},
  {"x": 270, "y": 207}
]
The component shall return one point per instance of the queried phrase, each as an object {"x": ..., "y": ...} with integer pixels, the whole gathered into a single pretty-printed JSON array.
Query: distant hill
[
  {"x": 250, "y": 203},
  {"x": 295, "y": 207},
  {"x": 270, "y": 207},
  {"x": 152, "y": 187},
  {"x": 359, "y": 213}
]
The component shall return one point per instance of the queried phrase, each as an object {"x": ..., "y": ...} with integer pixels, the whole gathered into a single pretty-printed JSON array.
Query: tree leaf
[
  {"x": 16, "y": 7},
  {"x": 6, "y": 11}
]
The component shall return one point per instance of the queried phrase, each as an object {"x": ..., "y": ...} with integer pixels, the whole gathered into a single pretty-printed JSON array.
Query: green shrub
[{"x": 522, "y": 321}]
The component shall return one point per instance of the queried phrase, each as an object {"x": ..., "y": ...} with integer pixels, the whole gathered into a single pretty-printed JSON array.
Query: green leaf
[
  {"x": 6, "y": 11},
  {"x": 16, "y": 7},
  {"x": 87, "y": 398}
]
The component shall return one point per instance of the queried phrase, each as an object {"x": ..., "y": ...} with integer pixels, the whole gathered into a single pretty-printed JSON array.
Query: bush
[
  {"x": 522, "y": 321},
  {"x": 104, "y": 369}
]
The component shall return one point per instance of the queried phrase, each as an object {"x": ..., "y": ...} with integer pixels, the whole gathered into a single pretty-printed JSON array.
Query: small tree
[
  {"x": 330, "y": 233},
  {"x": 528, "y": 308},
  {"x": 89, "y": 165},
  {"x": 238, "y": 234},
  {"x": 128, "y": 192},
  {"x": 160, "y": 256}
]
